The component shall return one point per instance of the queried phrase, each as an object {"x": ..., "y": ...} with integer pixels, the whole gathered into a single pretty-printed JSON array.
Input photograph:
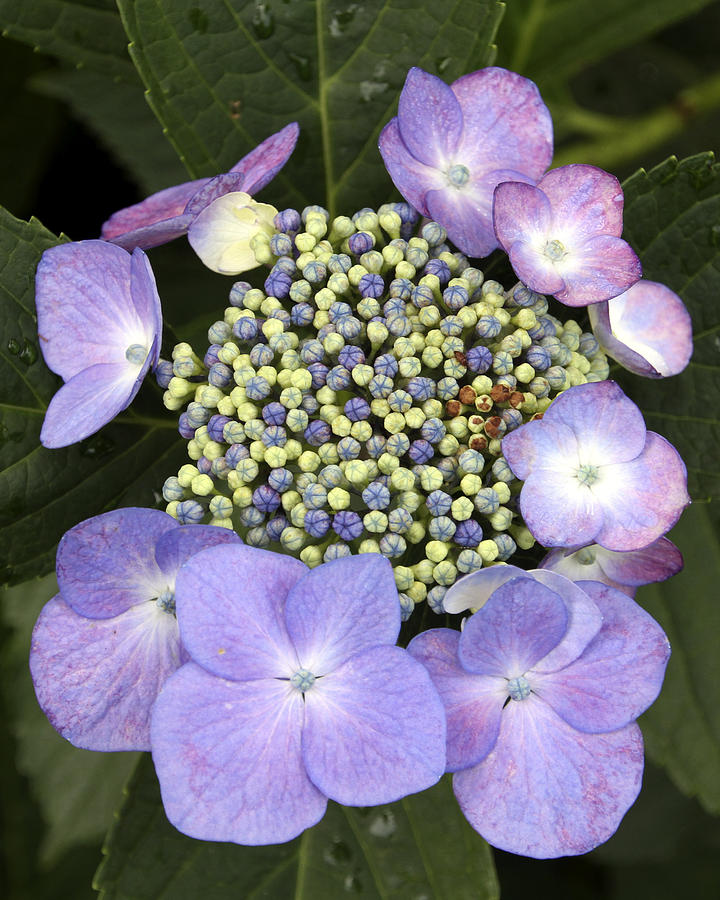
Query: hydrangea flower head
[
  {"x": 168, "y": 214},
  {"x": 295, "y": 693},
  {"x": 563, "y": 236},
  {"x": 449, "y": 147},
  {"x": 624, "y": 571},
  {"x": 103, "y": 647},
  {"x": 647, "y": 329},
  {"x": 594, "y": 474},
  {"x": 99, "y": 324},
  {"x": 541, "y": 690}
]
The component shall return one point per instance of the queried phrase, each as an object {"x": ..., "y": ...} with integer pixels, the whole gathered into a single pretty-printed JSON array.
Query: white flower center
[
  {"x": 458, "y": 175},
  {"x": 303, "y": 680},
  {"x": 554, "y": 250},
  {"x": 518, "y": 688},
  {"x": 136, "y": 354},
  {"x": 587, "y": 475}
]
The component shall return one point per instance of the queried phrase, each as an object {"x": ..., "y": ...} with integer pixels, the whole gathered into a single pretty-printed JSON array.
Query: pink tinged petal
[
  {"x": 228, "y": 758},
  {"x": 216, "y": 187},
  {"x": 543, "y": 445},
  {"x": 620, "y": 673},
  {"x": 146, "y": 299},
  {"x": 230, "y": 606},
  {"x": 505, "y": 123},
  {"x": 584, "y": 620},
  {"x": 609, "y": 427},
  {"x": 464, "y": 215},
  {"x": 341, "y": 608},
  {"x": 585, "y": 200},
  {"x": 641, "y": 499},
  {"x": 97, "y": 679},
  {"x": 85, "y": 307},
  {"x": 132, "y": 227},
  {"x": 518, "y": 626},
  {"x": 411, "y": 177},
  {"x": 429, "y": 119},
  {"x": 473, "y": 591},
  {"x": 521, "y": 213},
  {"x": 176, "y": 546},
  {"x": 374, "y": 729},
  {"x": 581, "y": 565},
  {"x": 107, "y": 564},
  {"x": 89, "y": 400},
  {"x": 155, "y": 235},
  {"x": 263, "y": 163},
  {"x": 647, "y": 329},
  {"x": 547, "y": 790},
  {"x": 656, "y": 562},
  {"x": 559, "y": 510},
  {"x": 473, "y": 703},
  {"x": 601, "y": 268}
]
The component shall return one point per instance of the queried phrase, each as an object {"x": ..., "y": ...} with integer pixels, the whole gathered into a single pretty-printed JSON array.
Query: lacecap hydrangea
[{"x": 373, "y": 404}]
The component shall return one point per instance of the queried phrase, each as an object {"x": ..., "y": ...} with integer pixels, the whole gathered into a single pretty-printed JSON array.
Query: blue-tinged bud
[
  {"x": 360, "y": 242},
  {"x": 163, "y": 373},
  {"x": 189, "y": 512},
  {"x": 381, "y": 386},
  {"x": 251, "y": 516},
  {"x": 392, "y": 545},
  {"x": 336, "y": 551},
  {"x": 338, "y": 378},
  {"x": 347, "y": 525},
  {"x": 288, "y": 220},
  {"x": 265, "y": 499},
  {"x": 317, "y": 433},
  {"x": 434, "y": 234},
  {"x": 316, "y": 523},
  {"x": 237, "y": 293},
  {"x": 211, "y": 357},
  {"x": 246, "y": 329},
  {"x": 235, "y": 453},
  {"x": 506, "y": 546},
  {"x": 197, "y": 415},
  {"x": 440, "y": 269},
  {"x": 280, "y": 479},
  {"x": 275, "y": 527},
  {"x": 172, "y": 489},
  {"x": 469, "y": 533},
  {"x": 220, "y": 375},
  {"x": 184, "y": 428},
  {"x": 216, "y": 427},
  {"x": 422, "y": 296},
  {"x": 435, "y": 599}
]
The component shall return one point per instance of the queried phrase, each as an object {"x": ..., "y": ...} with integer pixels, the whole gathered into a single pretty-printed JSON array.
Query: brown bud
[
  {"x": 460, "y": 357},
  {"x": 537, "y": 416},
  {"x": 467, "y": 394},
  {"x": 516, "y": 398},
  {"x": 483, "y": 403},
  {"x": 453, "y": 407},
  {"x": 478, "y": 442},
  {"x": 476, "y": 420},
  {"x": 500, "y": 393},
  {"x": 493, "y": 426}
]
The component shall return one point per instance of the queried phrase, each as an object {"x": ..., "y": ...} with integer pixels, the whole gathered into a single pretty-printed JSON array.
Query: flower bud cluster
[{"x": 358, "y": 401}]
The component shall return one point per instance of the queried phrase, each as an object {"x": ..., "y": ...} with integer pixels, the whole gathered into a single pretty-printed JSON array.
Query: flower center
[
  {"x": 166, "y": 601},
  {"x": 458, "y": 175},
  {"x": 554, "y": 250},
  {"x": 136, "y": 353},
  {"x": 587, "y": 475},
  {"x": 303, "y": 680},
  {"x": 586, "y": 556},
  {"x": 518, "y": 688}
]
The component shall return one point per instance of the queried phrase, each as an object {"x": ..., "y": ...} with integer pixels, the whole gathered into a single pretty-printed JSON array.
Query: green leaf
[
  {"x": 77, "y": 790},
  {"x": 85, "y": 33},
  {"x": 221, "y": 77},
  {"x": 43, "y": 492},
  {"x": 117, "y": 112},
  {"x": 549, "y": 40},
  {"x": 419, "y": 847},
  {"x": 682, "y": 728},
  {"x": 671, "y": 220}
]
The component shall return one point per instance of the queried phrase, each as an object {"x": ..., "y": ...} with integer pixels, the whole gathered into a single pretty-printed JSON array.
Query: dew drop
[
  {"x": 29, "y": 353},
  {"x": 352, "y": 884},
  {"x": 97, "y": 447},
  {"x": 383, "y": 825},
  {"x": 370, "y": 89},
  {"x": 263, "y": 21},
  {"x": 337, "y": 854},
  {"x": 442, "y": 62},
  {"x": 302, "y": 66},
  {"x": 13, "y": 346},
  {"x": 198, "y": 19},
  {"x": 715, "y": 235}
]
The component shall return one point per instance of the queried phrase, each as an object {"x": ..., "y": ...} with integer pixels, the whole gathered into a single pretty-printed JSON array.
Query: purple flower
[
  {"x": 103, "y": 647},
  {"x": 563, "y": 236},
  {"x": 164, "y": 216},
  {"x": 594, "y": 474},
  {"x": 624, "y": 571},
  {"x": 295, "y": 693},
  {"x": 449, "y": 147},
  {"x": 99, "y": 324},
  {"x": 647, "y": 329},
  {"x": 541, "y": 691}
]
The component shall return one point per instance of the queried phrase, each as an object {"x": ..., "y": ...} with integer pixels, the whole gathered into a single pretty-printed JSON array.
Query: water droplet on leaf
[
  {"x": 442, "y": 62},
  {"x": 198, "y": 19},
  {"x": 263, "y": 21},
  {"x": 302, "y": 66},
  {"x": 338, "y": 853},
  {"x": 715, "y": 235},
  {"x": 353, "y": 885},
  {"x": 13, "y": 346},
  {"x": 28, "y": 354},
  {"x": 97, "y": 447},
  {"x": 383, "y": 825}
]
